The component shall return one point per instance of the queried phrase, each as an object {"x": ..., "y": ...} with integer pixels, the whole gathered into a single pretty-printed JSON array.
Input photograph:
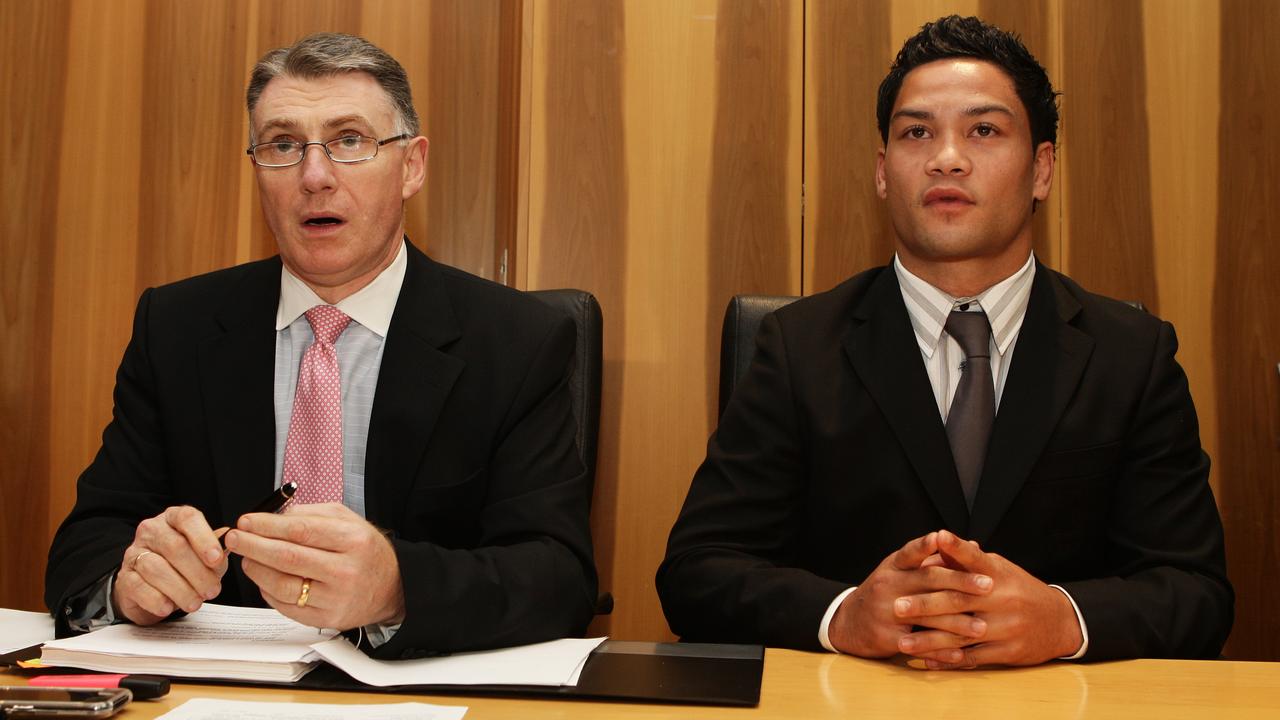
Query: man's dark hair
[{"x": 955, "y": 36}]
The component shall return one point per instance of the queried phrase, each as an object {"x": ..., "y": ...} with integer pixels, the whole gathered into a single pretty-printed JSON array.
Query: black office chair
[
  {"x": 738, "y": 337},
  {"x": 584, "y": 381}
]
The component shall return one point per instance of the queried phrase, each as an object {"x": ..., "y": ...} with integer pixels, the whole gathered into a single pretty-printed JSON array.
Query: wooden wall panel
[
  {"x": 462, "y": 117},
  {"x": 190, "y": 127},
  {"x": 96, "y": 237},
  {"x": 1109, "y": 247},
  {"x": 1182, "y": 61},
  {"x": 754, "y": 200},
  {"x": 652, "y": 220},
  {"x": 1246, "y": 319},
  {"x": 846, "y": 228},
  {"x": 33, "y": 53},
  {"x": 578, "y": 220}
]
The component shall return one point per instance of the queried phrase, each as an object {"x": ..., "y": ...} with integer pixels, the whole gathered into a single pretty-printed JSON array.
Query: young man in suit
[
  {"x": 423, "y": 412},
  {"x": 963, "y": 457}
]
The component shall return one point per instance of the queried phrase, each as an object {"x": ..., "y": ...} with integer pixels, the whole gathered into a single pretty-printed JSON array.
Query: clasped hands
[
  {"x": 351, "y": 570},
  {"x": 944, "y": 600}
]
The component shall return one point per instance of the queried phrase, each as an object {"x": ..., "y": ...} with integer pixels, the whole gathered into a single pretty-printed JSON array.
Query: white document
[
  {"x": 20, "y": 629},
  {"x": 209, "y": 709},
  {"x": 216, "y": 641},
  {"x": 556, "y": 662}
]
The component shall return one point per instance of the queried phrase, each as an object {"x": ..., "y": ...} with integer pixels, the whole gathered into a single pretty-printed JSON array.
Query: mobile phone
[{"x": 52, "y": 702}]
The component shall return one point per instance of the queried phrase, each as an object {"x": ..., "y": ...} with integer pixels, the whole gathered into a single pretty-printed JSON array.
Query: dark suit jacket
[
  {"x": 470, "y": 458},
  {"x": 831, "y": 455}
]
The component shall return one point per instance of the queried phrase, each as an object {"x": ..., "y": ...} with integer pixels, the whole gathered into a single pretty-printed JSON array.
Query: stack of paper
[
  {"x": 216, "y": 641},
  {"x": 553, "y": 663},
  {"x": 21, "y": 629}
]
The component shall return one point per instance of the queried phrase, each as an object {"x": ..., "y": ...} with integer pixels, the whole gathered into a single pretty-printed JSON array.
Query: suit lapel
[
  {"x": 885, "y": 355},
  {"x": 1048, "y": 359},
  {"x": 414, "y": 382},
  {"x": 237, "y": 376}
]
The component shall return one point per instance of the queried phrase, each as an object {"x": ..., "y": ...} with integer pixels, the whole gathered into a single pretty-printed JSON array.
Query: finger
[
  {"x": 281, "y": 555},
  {"x": 924, "y": 643},
  {"x": 305, "y": 528},
  {"x": 909, "y": 556},
  {"x": 192, "y": 525},
  {"x": 153, "y": 570},
  {"x": 966, "y": 658},
  {"x": 140, "y": 602},
  {"x": 963, "y": 553},
  {"x": 165, "y": 537},
  {"x": 283, "y": 586},
  {"x": 964, "y": 625},
  {"x": 942, "y": 602},
  {"x": 329, "y": 509},
  {"x": 941, "y": 577},
  {"x": 308, "y": 615}
]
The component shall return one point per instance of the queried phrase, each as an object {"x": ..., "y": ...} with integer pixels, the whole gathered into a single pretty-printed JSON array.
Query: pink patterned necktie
[{"x": 313, "y": 452}]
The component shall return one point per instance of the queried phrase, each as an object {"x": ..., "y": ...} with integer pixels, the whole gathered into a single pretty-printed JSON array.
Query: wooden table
[{"x": 814, "y": 685}]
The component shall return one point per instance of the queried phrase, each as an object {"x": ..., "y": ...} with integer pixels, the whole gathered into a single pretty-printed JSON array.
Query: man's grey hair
[{"x": 327, "y": 54}]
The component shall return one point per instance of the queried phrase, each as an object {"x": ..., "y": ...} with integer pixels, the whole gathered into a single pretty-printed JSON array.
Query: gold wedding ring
[
  {"x": 133, "y": 564},
  {"x": 305, "y": 595}
]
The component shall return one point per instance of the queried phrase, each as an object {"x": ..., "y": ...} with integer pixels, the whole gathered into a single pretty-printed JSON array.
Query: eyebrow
[
  {"x": 292, "y": 124},
  {"x": 973, "y": 111}
]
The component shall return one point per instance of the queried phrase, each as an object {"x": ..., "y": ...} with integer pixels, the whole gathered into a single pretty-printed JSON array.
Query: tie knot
[
  {"x": 972, "y": 331},
  {"x": 327, "y": 322}
]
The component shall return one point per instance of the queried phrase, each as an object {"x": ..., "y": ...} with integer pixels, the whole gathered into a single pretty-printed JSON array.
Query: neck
[
  {"x": 965, "y": 277},
  {"x": 338, "y": 291}
]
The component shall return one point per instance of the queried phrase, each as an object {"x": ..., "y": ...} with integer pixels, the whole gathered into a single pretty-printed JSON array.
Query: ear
[
  {"x": 415, "y": 167},
  {"x": 1045, "y": 158},
  {"x": 881, "y": 187}
]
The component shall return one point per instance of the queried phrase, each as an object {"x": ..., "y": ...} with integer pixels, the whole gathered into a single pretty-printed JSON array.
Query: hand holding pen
[{"x": 176, "y": 562}]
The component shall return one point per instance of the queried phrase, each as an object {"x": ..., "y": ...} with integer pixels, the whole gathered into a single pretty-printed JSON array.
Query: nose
[
  {"x": 317, "y": 170},
  {"x": 950, "y": 158}
]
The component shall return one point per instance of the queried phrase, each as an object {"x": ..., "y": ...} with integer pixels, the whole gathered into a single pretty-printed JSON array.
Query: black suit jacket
[
  {"x": 470, "y": 457},
  {"x": 831, "y": 455}
]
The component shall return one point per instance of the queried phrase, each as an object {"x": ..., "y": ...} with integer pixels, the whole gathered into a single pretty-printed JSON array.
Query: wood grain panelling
[
  {"x": 1109, "y": 248},
  {"x": 463, "y": 122},
  {"x": 193, "y": 90},
  {"x": 33, "y": 55},
  {"x": 1246, "y": 320},
  {"x": 1182, "y": 61},
  {"x": 1030, "y": 20},
  {"x": 579, "y": 212},
  {"x": 846, "y": 228},
  {"x": 754, "y": 203},
  {"x": 403, "y": 28},
  {"x": 96, "y": 240}
]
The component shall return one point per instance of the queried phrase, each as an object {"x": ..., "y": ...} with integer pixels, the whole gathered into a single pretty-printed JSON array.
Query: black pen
[{"x": 273, "y": 503}]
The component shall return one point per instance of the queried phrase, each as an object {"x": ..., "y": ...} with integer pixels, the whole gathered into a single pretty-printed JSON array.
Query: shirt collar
[
  {"x": 371, "y": 305},
  {"x": 1005, "y": 304}
]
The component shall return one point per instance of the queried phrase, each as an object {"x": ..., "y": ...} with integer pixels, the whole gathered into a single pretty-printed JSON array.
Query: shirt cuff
[
  {"x": 824, "y": 630},
  {"x": 91, "y": 608},
  {"x": 1084, "y": 629},
  {"x": 379, "y": 634}
]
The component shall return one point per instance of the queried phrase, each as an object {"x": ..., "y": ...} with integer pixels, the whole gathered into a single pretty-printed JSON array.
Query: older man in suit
[
  {"x": 963, "y": 457},
  {"x": 423, "y": 413}
]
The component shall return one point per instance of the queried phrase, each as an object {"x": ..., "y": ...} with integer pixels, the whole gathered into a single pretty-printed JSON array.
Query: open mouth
[{"x": 322, "y": 221}]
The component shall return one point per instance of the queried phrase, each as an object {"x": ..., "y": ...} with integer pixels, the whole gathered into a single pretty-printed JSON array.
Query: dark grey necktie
[{"x": 974, "y": 407}]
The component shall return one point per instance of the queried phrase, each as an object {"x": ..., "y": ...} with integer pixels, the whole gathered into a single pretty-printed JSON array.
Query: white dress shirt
[{"x": 1005, "y": 304}]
